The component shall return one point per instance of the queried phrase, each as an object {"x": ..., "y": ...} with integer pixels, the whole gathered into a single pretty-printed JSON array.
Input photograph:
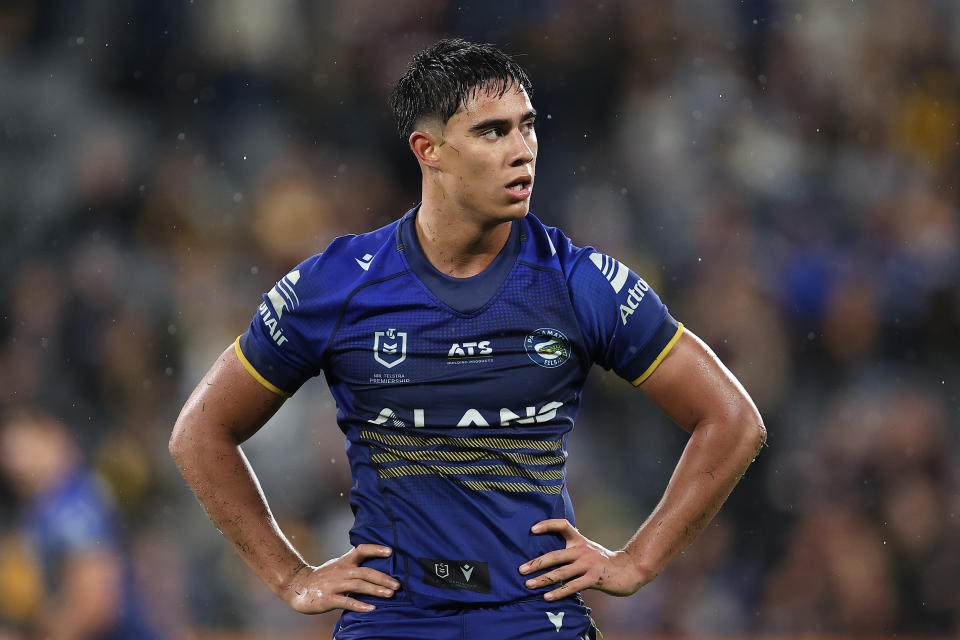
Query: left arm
[{"x": 697, "y": 391}]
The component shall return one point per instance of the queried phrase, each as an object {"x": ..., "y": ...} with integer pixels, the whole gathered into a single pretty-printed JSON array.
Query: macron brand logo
[
  {"x": 613, "y": 270},
  {"x": 365, "y": 261},
  {"x": 439, "y": 572},
  {"x": 556, "y": 619},
  {"x": 282, "y": 296}
]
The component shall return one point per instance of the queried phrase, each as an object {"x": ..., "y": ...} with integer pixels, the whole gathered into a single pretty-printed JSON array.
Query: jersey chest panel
[{"x": 403, "y": 359}]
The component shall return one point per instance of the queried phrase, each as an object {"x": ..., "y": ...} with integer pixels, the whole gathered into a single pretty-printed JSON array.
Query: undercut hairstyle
[{"x": 441, "y": 79}]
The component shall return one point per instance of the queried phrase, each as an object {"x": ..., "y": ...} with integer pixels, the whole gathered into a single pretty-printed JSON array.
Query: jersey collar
[{"x": 464, "y": 295}]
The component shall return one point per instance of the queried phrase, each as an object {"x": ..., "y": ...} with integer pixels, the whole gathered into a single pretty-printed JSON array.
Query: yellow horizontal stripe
[
  {"x": 483, "y": 470},
  {"x": 512, "y": 487},
  {"x": 477, "y": 485},
  {"x": 256, "y": 374},
  {"x": 464, "y": 456},
  {"x": 493, "y": 443},
  {"x": 663, "y": 354}
]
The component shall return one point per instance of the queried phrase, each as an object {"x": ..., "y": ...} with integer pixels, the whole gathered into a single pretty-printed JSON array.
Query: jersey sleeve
[
  {"x": 280, "y": 348},
  {"x": 627, "y": 326}
]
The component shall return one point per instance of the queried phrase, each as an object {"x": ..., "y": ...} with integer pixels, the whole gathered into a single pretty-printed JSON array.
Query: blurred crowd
[{"x": 785, "y": 174}]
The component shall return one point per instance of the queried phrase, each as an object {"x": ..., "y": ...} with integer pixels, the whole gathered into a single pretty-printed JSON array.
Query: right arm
[{"x": 226, "y": 408}]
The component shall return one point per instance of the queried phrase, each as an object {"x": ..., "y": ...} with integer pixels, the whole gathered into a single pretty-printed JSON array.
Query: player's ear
[{"x": 425, "y": 144}]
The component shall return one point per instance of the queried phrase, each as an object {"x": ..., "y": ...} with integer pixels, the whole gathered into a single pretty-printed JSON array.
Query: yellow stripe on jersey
[
  {"x": 663, "y": 354},
  {"x": 512, "y": 487},
  {"x": 477, "y": 485},
  {"x": 492, "y": 443},
  {"x": 463, "y": 456},
  {"x": 256, "y": 374},
  {"x": 482, "y": 470}
]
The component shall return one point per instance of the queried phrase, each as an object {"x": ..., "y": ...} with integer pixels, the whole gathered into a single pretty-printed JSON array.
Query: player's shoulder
[
  {"x": 348, "y": 262},
  {"x": 550, "y": 247},
  {"x": 584, "y": 267}
]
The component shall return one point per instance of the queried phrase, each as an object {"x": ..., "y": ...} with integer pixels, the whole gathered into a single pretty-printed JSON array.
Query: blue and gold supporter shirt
[
  {"x": 72, "y": 518},
  {"x": 456, "y": 395}
]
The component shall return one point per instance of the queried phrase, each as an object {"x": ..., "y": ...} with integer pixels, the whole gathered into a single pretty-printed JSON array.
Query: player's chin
[{"x": 517, "y": 208}]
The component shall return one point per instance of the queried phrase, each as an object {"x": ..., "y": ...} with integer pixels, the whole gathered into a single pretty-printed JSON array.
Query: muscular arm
[
  {"x": 226, "y": 408},
  {"x": 726, "y": 432},
  {"x": 693, "y": 387}
]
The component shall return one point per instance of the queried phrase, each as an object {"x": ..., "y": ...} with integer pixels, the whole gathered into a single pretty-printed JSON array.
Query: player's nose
[{"x": 522, "y": 150}]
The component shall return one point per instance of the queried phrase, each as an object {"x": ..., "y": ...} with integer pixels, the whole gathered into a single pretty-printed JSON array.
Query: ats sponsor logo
[
  {"x": 282, "y": 298},
  {"x": 466, "y": 352}
]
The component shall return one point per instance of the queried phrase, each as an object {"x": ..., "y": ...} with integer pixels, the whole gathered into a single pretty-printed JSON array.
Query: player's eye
[
  {"x": 529, "y": 126},
  {"x": 491, "y": 134}
]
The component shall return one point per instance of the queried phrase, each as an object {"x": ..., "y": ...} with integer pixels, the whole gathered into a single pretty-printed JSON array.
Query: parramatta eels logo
[
  {"x": 547, "y": 347},
  {"x": 390, "y": 347}
]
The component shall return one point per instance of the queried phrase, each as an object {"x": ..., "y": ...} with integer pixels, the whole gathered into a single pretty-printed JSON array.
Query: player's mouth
[{"x": 520, "y": 188}]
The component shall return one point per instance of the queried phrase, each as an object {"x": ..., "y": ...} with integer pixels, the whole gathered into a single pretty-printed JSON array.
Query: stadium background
[{"x": 784, "y": 173}]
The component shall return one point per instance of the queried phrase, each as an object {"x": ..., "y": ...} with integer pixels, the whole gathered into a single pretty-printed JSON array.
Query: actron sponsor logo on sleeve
[{"x": 617, "y": 275}]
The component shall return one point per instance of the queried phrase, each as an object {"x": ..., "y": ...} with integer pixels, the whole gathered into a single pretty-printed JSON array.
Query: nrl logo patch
[
  {"x": 470, "y": 575},
  {"x": 390, "y": 347}
]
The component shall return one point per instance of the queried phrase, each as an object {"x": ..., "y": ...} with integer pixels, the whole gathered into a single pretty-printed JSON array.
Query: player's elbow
[
  {"x": 749, "y": 425},
  {"x": 175, "y": 444},
  {"x": 180, "y": 439},
  {"x": 760, "y": 434},
  {"x": 755, "y": 435}
]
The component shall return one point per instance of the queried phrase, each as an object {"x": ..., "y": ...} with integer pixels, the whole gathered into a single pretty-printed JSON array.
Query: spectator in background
[{"x": 69, "y": 524}]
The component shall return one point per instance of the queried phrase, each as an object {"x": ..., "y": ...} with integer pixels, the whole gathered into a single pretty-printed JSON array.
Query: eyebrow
[{"x": 500, "y": 122}]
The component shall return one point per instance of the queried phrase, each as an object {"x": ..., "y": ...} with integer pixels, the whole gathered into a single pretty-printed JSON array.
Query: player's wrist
[
  {"x": 638, "y": 572},
  {"x": 283, "y": 581}
]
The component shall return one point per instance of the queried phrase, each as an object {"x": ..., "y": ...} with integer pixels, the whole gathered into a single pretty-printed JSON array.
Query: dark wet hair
[{"x": 440, "y": 80}]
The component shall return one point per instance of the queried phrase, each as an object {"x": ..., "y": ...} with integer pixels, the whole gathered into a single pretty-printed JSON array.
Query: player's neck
[{"x": 456, "y": 243}]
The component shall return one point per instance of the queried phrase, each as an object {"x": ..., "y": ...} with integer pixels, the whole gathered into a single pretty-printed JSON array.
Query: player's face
[{"x": 489, "y": 155}]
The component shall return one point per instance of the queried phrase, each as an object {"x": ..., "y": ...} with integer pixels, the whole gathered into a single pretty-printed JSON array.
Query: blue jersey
[{"x": 456, "y": 396}]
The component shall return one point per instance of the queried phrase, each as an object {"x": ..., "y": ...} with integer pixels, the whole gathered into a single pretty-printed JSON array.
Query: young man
[{"x": 456, "y": 341}]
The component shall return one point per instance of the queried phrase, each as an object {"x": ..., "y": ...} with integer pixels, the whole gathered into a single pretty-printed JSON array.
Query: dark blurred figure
[{"x": 64, "y": 514}]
